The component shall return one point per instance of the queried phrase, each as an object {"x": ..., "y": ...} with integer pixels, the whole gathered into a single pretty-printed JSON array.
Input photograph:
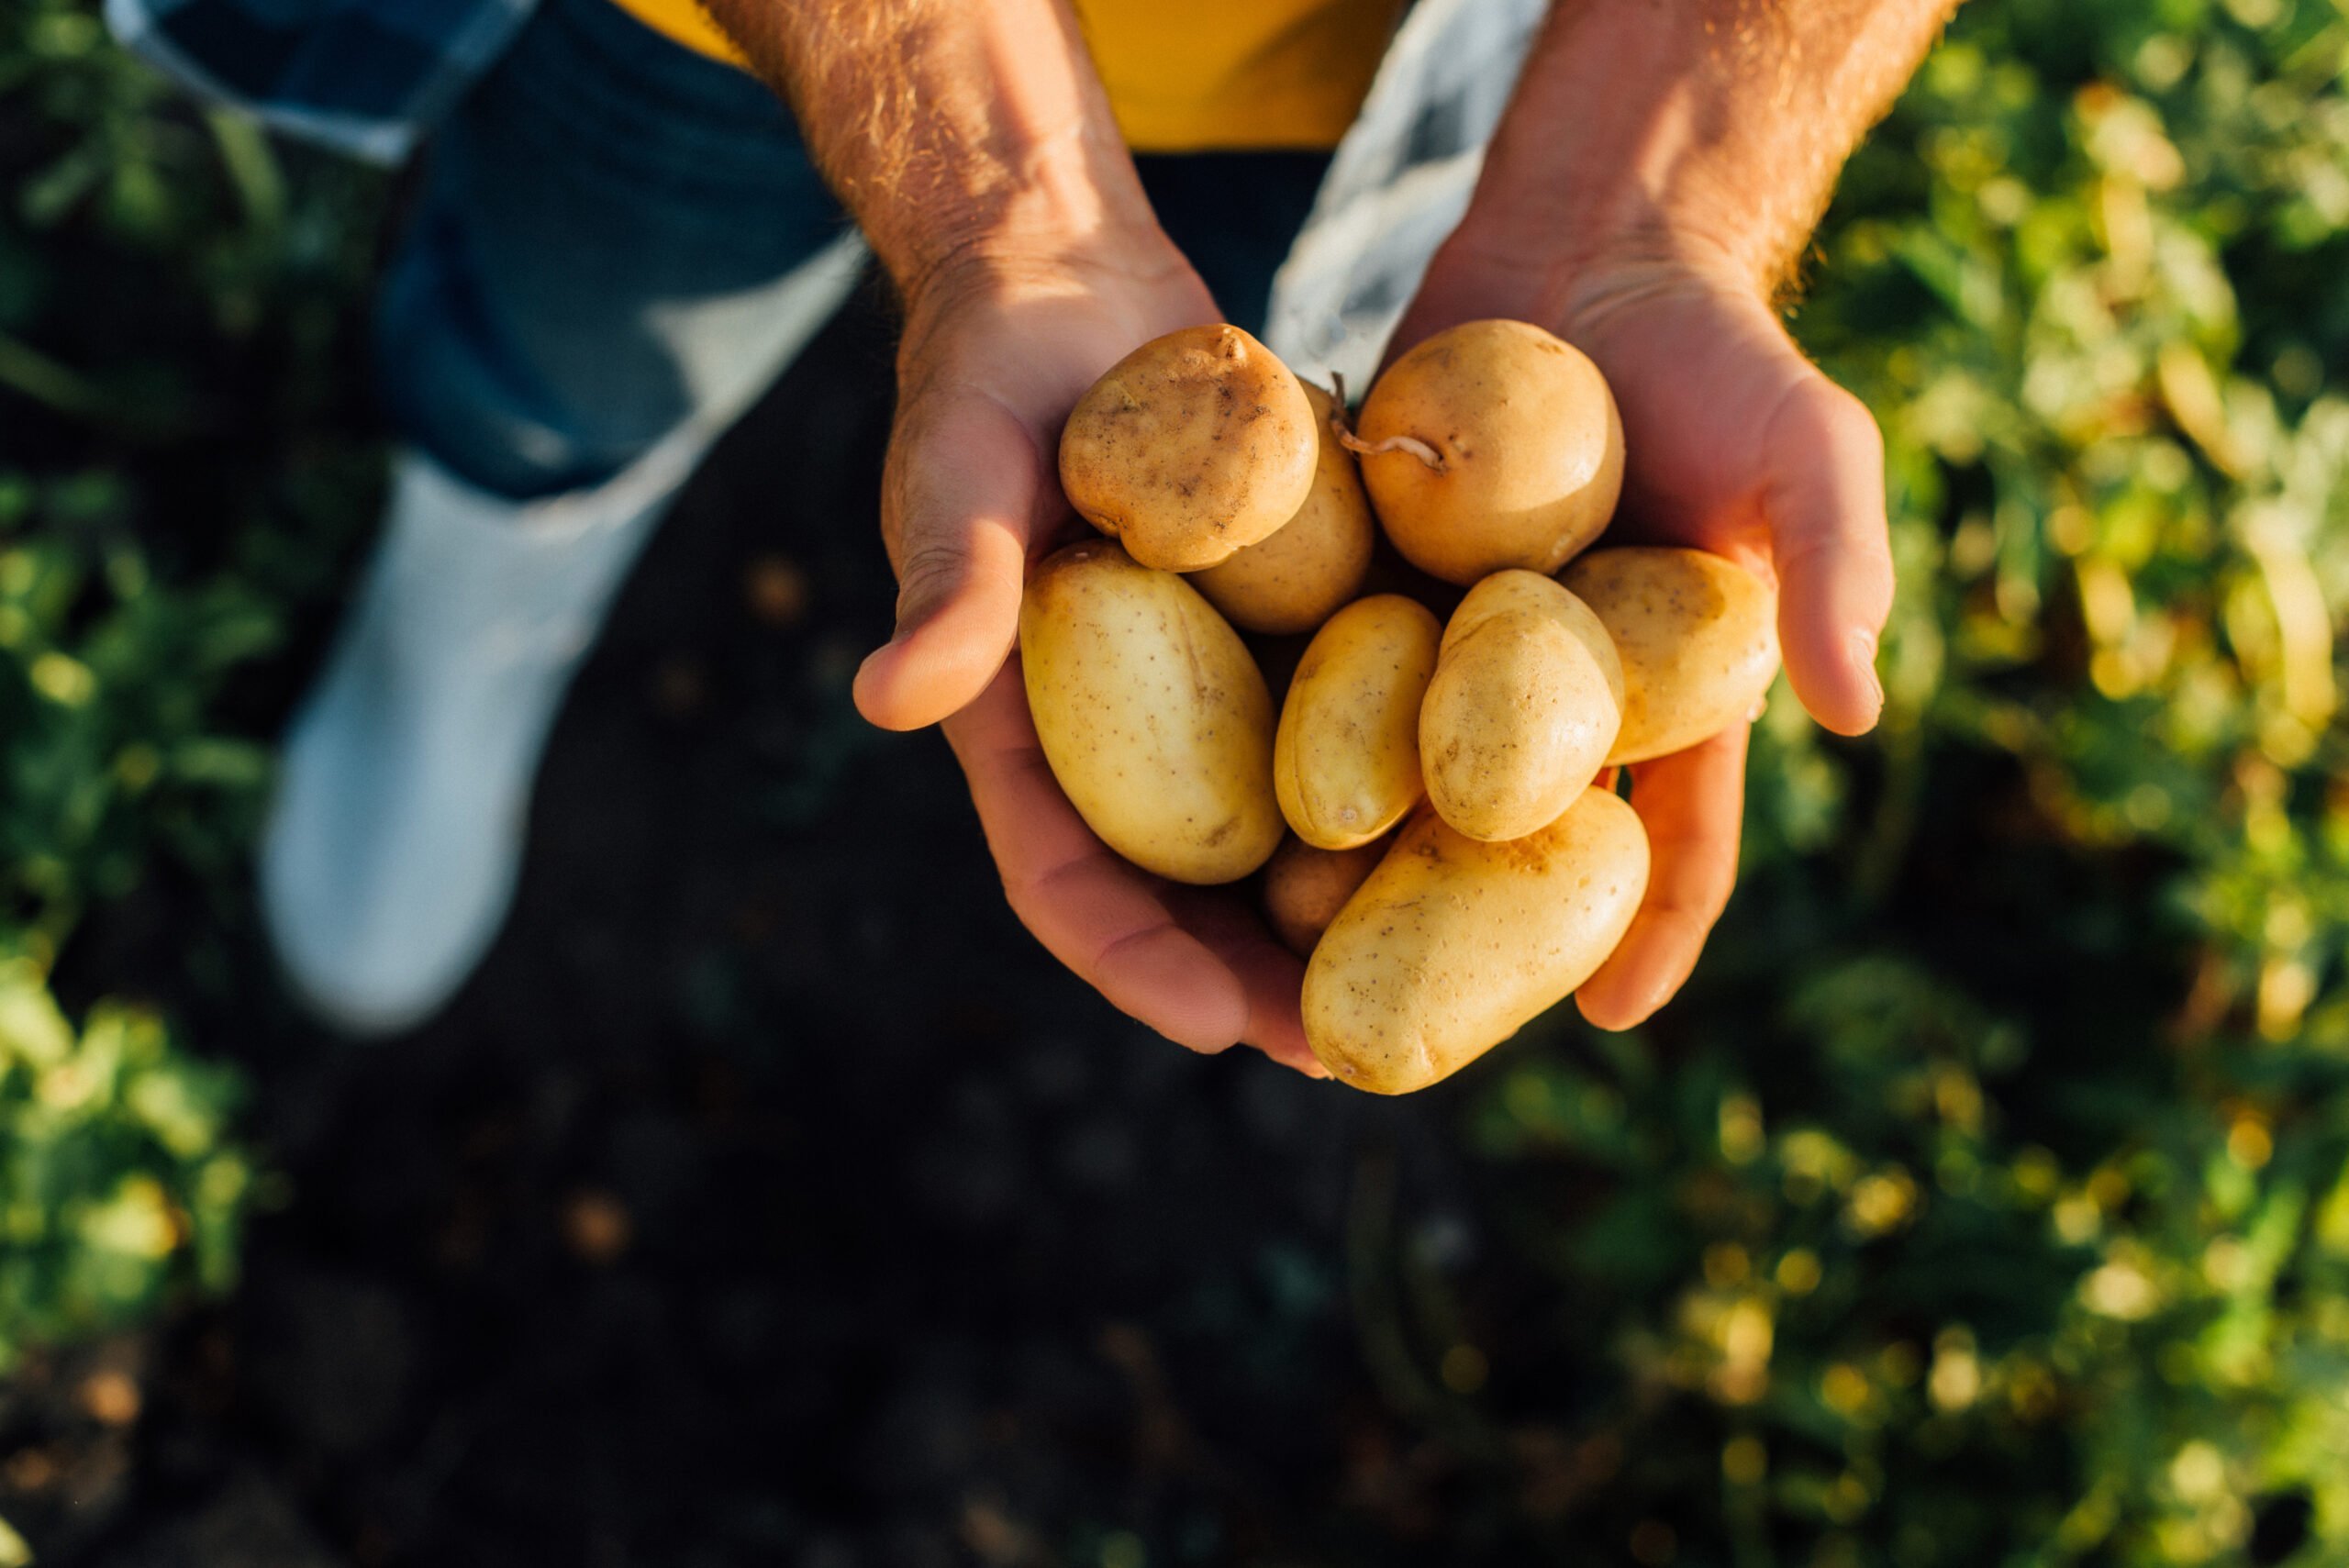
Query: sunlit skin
[{"x": 1656, "y": 171}]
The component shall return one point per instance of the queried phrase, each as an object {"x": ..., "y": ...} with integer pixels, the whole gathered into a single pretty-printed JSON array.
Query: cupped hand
[
  {"x": 994, "y": 354},
  {"x": 1735, "y": 443}
]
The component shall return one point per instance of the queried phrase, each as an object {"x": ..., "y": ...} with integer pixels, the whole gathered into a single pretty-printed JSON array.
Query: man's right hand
[
  {"x": 997, "y": 350},
  {"x": 977, "y": 150}
]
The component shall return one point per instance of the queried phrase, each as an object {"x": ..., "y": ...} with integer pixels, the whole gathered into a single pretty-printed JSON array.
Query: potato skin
[
  {"x": 1190, "y": 447},
  {"x": 1452, "y": 945},
  {"x": 1533, "y": 447},
  {"x": 1305, "y": 888},
  {"x": 1699, "y": 638},
  {"x": 1526, "y": 700},
  {"x": 1311, "y": 566},
  {"x": 1153, "y": 717},
  {"x": 1346, "y": 757}
]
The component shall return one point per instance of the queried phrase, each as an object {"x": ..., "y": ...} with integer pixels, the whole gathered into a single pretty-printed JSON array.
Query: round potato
[
  {"x": 1451, "y": 945},
  {"x": 1305, "y": 887},
  {"x": 1190, "y": 447},
  {"x": 1346, "y": 758},
  {"x": 1311, "y": 565},
  {"x": 1491, "y": 445},
  {"x": 1699, "y": 638},
  {"x": 1153, "y": 717},
  {"x": 1524, "y": 703}
]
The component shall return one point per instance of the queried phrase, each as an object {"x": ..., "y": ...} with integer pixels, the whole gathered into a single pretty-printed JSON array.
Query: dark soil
[{"x": 770, "y": 1195}]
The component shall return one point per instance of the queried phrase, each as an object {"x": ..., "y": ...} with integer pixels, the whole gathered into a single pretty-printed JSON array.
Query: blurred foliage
[
  {"x": 174, "y": 356},
  {"x": 1986, "y": 1199},
  {"x": 1983, "y": 1201},
  {"x": 115, "y": 1176}
]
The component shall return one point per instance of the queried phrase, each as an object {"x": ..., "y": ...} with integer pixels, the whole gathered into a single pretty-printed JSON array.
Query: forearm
[
  {"x": 952, "y": 128},
  {"x": 1702, "y": 134}
]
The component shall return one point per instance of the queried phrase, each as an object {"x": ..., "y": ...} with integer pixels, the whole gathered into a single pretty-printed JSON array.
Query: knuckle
[{"x": 928, "y": 570}]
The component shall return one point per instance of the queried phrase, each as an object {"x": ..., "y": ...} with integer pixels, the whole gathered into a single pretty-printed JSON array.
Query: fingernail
[{"x": 1864, "y": 648}]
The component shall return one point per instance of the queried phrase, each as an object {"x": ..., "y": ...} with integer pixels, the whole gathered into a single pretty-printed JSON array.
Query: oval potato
[
  {"x": 1346, "y": 757},
  {"x": 1527, "y": 448},
  {"x": 1526, "y": 700},
  {"x": 1153, "y": 717},
  {"x": 1305, "y": 887},
  {"x": 1312, "y": 565},
  {"x": 1699, "y": 638},
  {"x": 1452, "y": 945},
  {"x": 1190, "y": 447}
]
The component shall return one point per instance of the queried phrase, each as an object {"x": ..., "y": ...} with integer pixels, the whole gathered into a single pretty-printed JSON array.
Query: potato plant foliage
[
  {"x": 175, "y": 365},
  {"x": 1982, "y": 1201}
]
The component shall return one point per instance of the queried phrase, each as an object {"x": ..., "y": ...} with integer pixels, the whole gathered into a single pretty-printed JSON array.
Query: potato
[
  {"x": 1153, "y": 717},
  {"x": 1305, "y": 887},
  {"x": 1452, "y": 945},
  {"x": 1526, "y": 700},
  {"x": 1699, "y": 638},
  {"x": 1491, "y": 445},
  {"x": 1311, "y": 565},
  {"x": 1346, "y": 758},
  {"x": 1190, "y": 447}
]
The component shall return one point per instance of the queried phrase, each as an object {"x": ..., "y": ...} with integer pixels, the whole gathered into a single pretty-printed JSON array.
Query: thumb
[
  {"x": 960, "y": 498},
  {"x": 1830, "y": 544}
]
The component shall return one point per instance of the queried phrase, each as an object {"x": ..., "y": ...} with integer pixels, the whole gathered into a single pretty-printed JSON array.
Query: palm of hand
[
  {"x": 1733, "y": 443},
  {"x": 970, "y": 496}
]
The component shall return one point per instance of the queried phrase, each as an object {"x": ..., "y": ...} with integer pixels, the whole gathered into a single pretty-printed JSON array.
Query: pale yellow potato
[
  {"x": 1495, "y": 445},
  {"x": 1153, "y": 717},
  {"x": 1452, "y": 945},
  {"x": 1346, "y": 757},
  {"x": 1311, "y": 566},
  {"x": 1305, "y": 887},
  {"x": 1190, "y": 447},
  {"x": 1525, "y": 703},
  {"x": 1699, "y": 638}
]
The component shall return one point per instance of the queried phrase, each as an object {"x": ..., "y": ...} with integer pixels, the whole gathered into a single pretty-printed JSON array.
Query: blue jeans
[{"x": 603, "y": 222}]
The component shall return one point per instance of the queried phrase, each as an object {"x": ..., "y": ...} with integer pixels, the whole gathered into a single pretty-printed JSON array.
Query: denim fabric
[
  {"x": 600, "y": 223},
  {"x": 365, "y": 76},
  {"x": 606, "y": 222}
]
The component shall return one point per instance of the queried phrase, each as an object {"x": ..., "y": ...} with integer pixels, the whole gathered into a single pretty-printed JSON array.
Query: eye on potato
[
  {"x": 1305, "y": 887},
  {"x": 1452, "y": 944},
  {"x": 1526, "y": 700},
  {"x": 1698, "y": 636},
  {"x": 1152, "y": 715},
  {"x": 1191, "y": 447},
  {"x": 1491, "y": 445},
  {"x": 1311, "y": 566},
  {"x": 1346, "y": 756}
]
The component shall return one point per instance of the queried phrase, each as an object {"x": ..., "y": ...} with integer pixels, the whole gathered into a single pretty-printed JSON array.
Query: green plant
[
  {"x": 117, "y": 1180},
  {"x": 1987, "y": 1199},
  {"x": 176, "y": 483}
]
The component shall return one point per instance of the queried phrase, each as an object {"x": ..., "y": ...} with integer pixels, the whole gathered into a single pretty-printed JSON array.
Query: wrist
[
  {"x": 1060, "y": 204},
  {"x": 1577, "y": 290},
  {"x": 1000, "y": 271},
  {"x": 1679, "y": 144}
]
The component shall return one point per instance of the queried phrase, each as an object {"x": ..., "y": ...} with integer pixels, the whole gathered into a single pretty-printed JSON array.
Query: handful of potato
[{"x": 1423, "y": 789}]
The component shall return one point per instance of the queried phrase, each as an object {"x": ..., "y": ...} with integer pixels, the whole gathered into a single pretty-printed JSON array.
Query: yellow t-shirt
[{"x": 1189, "y": 77}]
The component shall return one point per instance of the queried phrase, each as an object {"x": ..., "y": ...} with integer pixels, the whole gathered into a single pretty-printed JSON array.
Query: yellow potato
[
  {"x": 1311, "y": 565},
  {"x": 1699, "y": 638},
  {"x": 1153, "y": 717},
  {"x": 1194, "y": 444},
  {"x": 1452, "y": 945},
  {"x": 1524, "y": 705},
  {"x": 1305, "y": 887},
  {"x": 1491, "y": 445},
  {"x": 1346, "y": 758}
]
